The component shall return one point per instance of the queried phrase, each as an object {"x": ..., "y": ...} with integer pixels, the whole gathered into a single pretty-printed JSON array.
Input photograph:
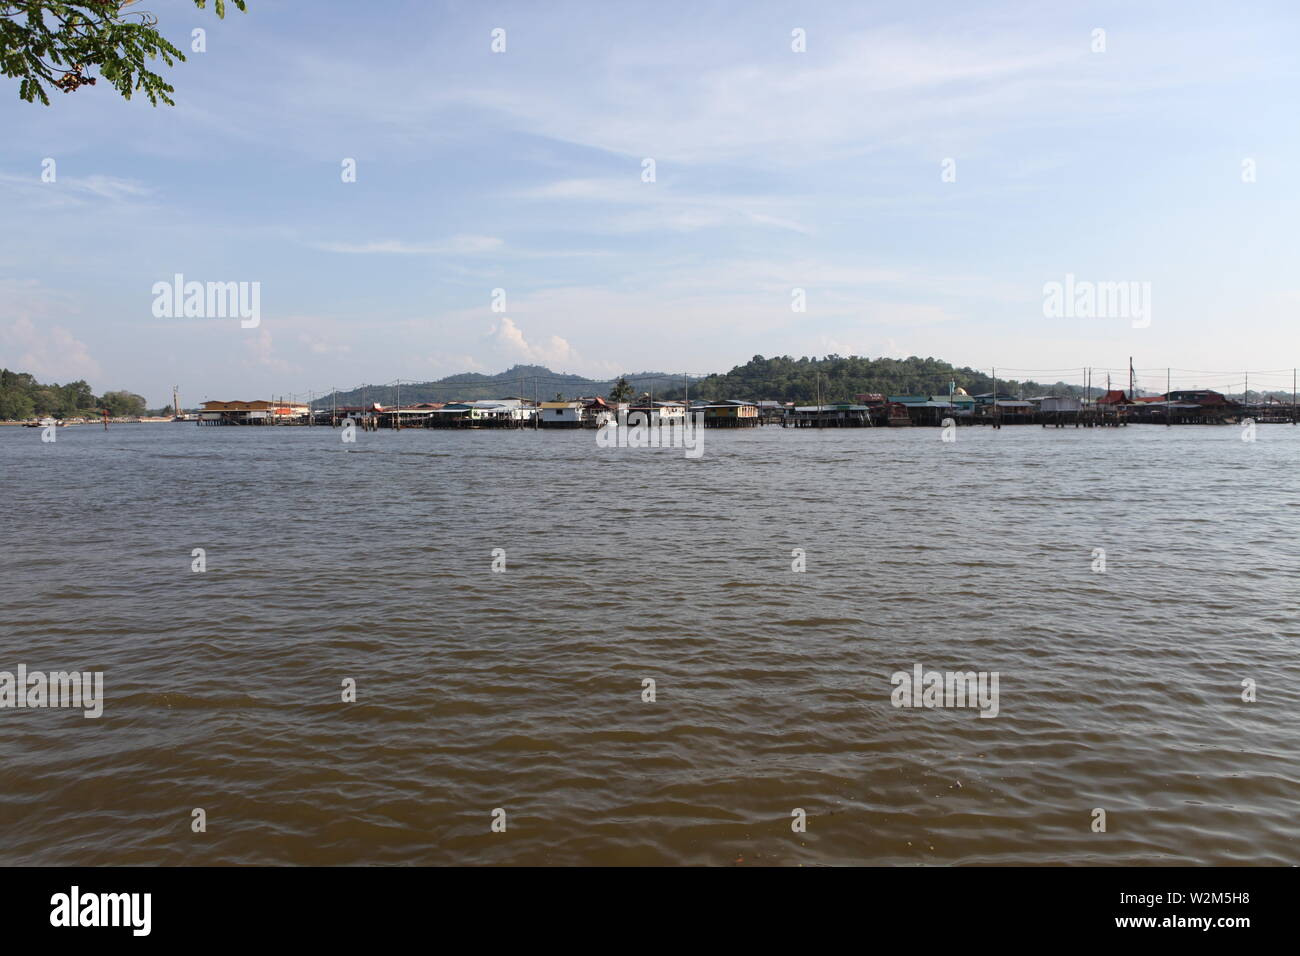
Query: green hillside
[
  {"x": 522, "y": 381},
  {"x": 838, "y": 379}
]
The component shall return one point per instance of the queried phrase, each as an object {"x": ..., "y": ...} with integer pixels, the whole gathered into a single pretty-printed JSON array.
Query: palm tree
[{"x": 621, "y": 392}]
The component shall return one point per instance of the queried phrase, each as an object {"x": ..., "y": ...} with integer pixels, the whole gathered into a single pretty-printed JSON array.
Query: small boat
[
  {"x": 898, "y": 414},
  {"x": 46, "y": 423}
]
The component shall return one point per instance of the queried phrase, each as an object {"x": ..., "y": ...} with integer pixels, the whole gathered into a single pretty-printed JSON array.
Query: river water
[{"x": 522, "y": 690}]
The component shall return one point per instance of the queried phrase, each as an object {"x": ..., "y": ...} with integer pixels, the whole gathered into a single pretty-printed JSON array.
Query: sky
[{"x": 921, "y": 171}]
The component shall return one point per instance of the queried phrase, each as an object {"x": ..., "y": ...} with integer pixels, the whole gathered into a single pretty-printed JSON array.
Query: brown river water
[{"x": 522, "y": 690}]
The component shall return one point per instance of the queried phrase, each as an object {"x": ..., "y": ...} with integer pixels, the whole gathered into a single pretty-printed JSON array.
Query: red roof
[{"x": 1115, "y": 396}]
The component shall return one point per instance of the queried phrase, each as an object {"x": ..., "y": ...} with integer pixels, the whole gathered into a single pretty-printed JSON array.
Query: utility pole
[{"x": 1168, "y": 411}]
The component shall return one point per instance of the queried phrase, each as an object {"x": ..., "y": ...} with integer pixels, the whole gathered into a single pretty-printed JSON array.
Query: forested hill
[
  {"x": 522, "y": 381},
  {"x": 839, "y": 379},
  {"x": 783, "y": 378}
]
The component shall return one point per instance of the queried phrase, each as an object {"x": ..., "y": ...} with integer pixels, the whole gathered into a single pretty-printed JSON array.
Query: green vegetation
[
  {"x": 122, "y": 404},
  {"x": 46, "y": 41},
  {"x": 784, "y": 379},
  {"x": 839, "y": 379},
  {"x": 521, "y": 381},
  {"x": 22, "y": 397},
  {"x": 621, "y": 392}
]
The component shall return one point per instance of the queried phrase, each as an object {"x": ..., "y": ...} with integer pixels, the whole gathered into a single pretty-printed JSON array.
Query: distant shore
[{"x": 97, "y": 421}]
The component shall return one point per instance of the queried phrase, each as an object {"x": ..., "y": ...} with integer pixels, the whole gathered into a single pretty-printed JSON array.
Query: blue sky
[{"x": 775, "y": 170}]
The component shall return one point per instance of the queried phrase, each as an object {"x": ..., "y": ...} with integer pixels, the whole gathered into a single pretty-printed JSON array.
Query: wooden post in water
[{"x": 995, "y": 398}]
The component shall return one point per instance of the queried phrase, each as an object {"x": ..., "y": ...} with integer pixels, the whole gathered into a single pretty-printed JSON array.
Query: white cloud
[
  {"x": 320, "y": 346},
  {"x": 860, "y": 91},
  {"x": 51, "y": 353},
  {"x": 31, "y": 340},
  {"x": 507, "y": 339},
  {"x": 260, "y": 353}
]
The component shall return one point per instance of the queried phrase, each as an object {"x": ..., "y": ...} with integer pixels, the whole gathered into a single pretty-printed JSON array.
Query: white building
[{"x": 561, "y": 414}]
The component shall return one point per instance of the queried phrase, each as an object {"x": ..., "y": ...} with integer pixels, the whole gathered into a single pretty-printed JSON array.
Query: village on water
[{"x": 1114, "y": 408}]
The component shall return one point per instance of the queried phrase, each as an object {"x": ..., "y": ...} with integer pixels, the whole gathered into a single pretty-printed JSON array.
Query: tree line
[
  {"x": 22, "y": 397},
  {"x": 836, "y": 378}
]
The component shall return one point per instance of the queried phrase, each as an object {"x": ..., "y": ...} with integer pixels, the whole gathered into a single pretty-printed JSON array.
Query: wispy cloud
[
  {"x": 664, "y": 206},
  {"x": 775, "y": 170},
  {"x": 457, "y": 245},
  {"x": 76, "y": 190}
]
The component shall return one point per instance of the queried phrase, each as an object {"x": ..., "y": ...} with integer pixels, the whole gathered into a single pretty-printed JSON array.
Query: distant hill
[
  {"x": 838, "y": 378},
  {"x": 521, "y": 381},
  {"x": 835, "y": 378}
]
